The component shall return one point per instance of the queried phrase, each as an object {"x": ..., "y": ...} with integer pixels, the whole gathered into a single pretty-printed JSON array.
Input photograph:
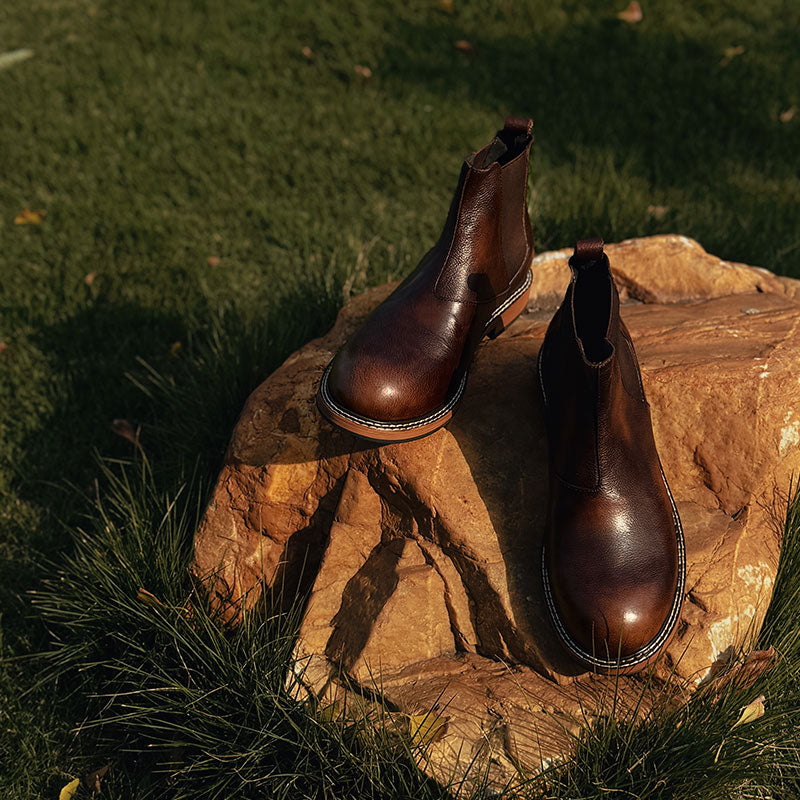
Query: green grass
[
  {"x": 158, "y": 135},
  {"x": 185, "y": 707}
]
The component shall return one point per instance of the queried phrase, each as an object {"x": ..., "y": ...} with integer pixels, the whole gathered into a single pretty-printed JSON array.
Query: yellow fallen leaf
[
  {"x": 331, "y": 712},
  {"x": 175, "y": 349},
  {"x": 426, "y": 728},
  {"x": 446, "y": 6},
  {"x": 11, "y": 57},
  {"x": 307, "y": 53},
  {"x": 632, "y": 14},
  {"x": 29, "y": 217},
  {"x": 68, "y": 792},
  {"x": 751, "y": 712}
]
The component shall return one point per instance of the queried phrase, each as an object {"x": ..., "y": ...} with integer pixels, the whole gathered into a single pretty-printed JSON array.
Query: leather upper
[
  {"x": 403, "y": 363},
  {"x": 612, "y": 549}
]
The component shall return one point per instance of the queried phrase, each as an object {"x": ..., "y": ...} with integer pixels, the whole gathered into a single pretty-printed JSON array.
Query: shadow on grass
[
  {"x": 170, "y": 693},
  {"x": 607, "y": 85},
  {"x": 119, "y": 361},
  {"x": 182, "y": 378},
  {"x": 665, "y": 109}
]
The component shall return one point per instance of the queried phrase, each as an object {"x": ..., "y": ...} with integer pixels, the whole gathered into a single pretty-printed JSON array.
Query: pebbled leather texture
[
  {"x": 413, "y": 350},
  {"x": 613, "y": 545}
]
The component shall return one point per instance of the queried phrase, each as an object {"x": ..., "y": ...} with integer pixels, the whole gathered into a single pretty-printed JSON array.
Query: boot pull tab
[
  {"x": 587, "y": 251},
  {"x": 518, "y": 125}
]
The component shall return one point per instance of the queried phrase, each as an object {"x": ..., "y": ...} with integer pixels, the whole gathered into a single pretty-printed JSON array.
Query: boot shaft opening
[
  {"x": 504, "y": 148},
  {"x": 592, "y": 301}
]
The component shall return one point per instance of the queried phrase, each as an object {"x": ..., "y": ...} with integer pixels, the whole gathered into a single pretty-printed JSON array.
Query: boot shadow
[{"x": 500, "y": 430}]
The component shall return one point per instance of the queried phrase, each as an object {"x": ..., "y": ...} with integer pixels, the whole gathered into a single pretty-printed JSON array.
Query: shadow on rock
[{"x": 500, "y": 430}]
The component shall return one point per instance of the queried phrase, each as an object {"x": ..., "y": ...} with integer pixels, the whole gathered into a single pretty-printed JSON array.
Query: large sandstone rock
[{"x": 420, "y": 561}]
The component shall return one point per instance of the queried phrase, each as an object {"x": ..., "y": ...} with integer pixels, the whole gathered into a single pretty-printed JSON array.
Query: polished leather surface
[
  {"x": 404, "y": 362},
  {"x": 613, "y": 546}
]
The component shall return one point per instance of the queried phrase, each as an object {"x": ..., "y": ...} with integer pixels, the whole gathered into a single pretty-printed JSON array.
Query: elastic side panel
[
  {"x": 515, "y": 229},
  {"x": 473, "y": 270},
  {"x": 570, "y": 389}
]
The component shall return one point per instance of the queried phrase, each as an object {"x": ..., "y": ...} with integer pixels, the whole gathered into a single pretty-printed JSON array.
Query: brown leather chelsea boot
[
  {"x": 613, "y": 560},
  {"x": 404, "y": 371}
]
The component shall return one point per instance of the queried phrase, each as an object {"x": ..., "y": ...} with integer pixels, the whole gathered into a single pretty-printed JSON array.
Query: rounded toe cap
[
  {"x": 380, "y": 390},
  {"x": 612, "y": 621}
]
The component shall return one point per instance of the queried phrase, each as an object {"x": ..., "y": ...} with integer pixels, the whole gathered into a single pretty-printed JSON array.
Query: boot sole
[
  {"x": 386, "y": 432},
  {"x": 652, "y": 650}
]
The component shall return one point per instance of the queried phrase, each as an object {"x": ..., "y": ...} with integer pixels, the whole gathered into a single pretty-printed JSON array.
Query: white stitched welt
[{"x": 389, "y": 426}]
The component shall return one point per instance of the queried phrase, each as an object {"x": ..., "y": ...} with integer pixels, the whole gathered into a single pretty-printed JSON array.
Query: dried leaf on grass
[
  {"x": 362, "y": 71},
  {"x": 632, "y": 14},
  {"x": 657, "y": 212},
  {"x": 30, "y": 217},
  {"x": 729, "y": 53},
  {"x": 447, "y": 6},
  {"x": 148, "y": 598},
  {"x": 788, "y": 115},
  {"x": 465, "y": 47},
  {"x": 751, "y": 712},
  {"x": 11, "y": 57},
  {"x": 331, "y": 712},
  {"x": 124, "y": 429},
  {"x": 426, "y": 728},
  {"x": 743, "y": 674},
  {"x": 69, "y": 791},
  {"x": 307, "y": 53},
  {"x": 93, "y": 779}
]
